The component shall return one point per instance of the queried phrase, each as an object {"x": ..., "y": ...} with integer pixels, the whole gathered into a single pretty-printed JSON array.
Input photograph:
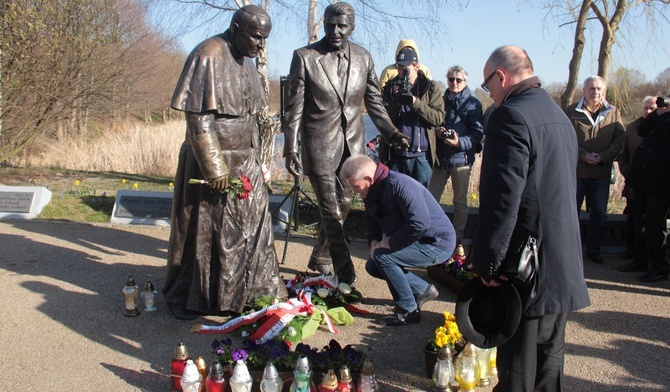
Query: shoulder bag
[{"x": 521, "y": 263}]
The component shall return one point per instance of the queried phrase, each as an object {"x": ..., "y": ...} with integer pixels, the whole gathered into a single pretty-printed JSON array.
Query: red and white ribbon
[{"x": 278, "y": 316}]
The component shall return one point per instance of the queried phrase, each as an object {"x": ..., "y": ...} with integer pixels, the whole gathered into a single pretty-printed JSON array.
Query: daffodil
[
  {"x": 77, "y": 182},
  {"x": 171, "y": 184},
  {"x": 136, "y": 185},
  {"x": 123, "y": 181}
]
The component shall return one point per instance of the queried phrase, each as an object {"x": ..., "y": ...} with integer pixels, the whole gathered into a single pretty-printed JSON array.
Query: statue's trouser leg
[{"x": 334, "y": 203}]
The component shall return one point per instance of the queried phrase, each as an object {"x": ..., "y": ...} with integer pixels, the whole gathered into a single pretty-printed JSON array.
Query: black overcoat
[{"x": 528, "y": 185}]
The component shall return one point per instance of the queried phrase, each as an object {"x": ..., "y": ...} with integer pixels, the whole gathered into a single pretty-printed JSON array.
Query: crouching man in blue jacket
[{"x": 406, "y": 228}]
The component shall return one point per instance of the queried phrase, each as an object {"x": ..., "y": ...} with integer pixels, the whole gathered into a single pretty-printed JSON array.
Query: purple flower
[{"x": 239, "y": 355}]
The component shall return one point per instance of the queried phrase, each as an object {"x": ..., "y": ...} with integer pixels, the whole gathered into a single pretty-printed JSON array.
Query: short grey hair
[
  {"x": 593, "y": 78},
  {"x": 507, "y": 58},
  {"x": 649, "y": 97},
  {"x": 457, "y": 69},
  {"x": 354, "y": 167},
  {"x": 341, "y": 8}
]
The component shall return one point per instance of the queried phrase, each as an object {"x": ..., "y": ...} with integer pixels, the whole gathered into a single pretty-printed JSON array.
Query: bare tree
[
  {"x": 624, "y": 89},
  {"x": 610, "y": 15},
  {"x": 66, "y": 62}
]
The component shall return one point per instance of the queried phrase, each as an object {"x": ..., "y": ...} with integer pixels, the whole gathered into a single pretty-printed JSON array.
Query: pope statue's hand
[
  {"x": 219, "y": 183},
  {"x": 399, "y": 141},
  {"x": 293, "y": 163}
]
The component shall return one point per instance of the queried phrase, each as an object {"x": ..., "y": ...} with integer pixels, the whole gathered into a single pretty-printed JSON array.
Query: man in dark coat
[
  {"x": 406, "y": 229},
  {"x": 649, "y": 177},
  {"x": 328, "y": 82},
  {"x": 221, "y": 255},
  {"x": 528, "y": 181},
  {"x": 625, "y": 159}
]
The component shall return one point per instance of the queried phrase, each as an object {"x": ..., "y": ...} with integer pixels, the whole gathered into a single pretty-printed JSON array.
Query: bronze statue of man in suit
[{"x": 328, "y": 81}]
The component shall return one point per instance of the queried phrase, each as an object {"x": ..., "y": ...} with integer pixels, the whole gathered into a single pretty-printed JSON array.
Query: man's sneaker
[
  {"x": 426, "y": 296},
  {"x": 397, "y": 319}
]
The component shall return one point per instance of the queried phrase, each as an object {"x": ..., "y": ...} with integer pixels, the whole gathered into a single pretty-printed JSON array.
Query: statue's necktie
[{"x": 341, "y": 66}]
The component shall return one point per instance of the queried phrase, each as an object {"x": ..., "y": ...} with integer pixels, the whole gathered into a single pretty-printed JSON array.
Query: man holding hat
[
  {"x": 527, "y": 188},
  {"x": 415, "y": 105}
]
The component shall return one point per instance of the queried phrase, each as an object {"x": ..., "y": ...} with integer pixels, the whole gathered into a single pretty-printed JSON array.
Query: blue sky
[{"x": 478, "y": 29}]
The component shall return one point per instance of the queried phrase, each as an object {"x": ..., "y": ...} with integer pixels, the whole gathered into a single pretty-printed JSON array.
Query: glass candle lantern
[
  {"x": 271, "y": 381},
  {"x": 483, "y": 355},
  {"x": 443, "y": 372},
  {"x": 302, "y": 376},
  {"x": 466, "y": 369},
  {"x": 215, "y": 382},
  {"x": 493, "y": 358},
  {"x": 149, "y": 297},
  {"x": 329, "y": 382},
  {"x": 191, "y": 378},
  {"x": 367, "y": 382},
  {"x": 201, "y": 365},
  {"x": 241, "y": 380},
  {"x": 130, "y": 293},
  {"x": 345, "y": 382},
  {"x": 177, "y": 366}
]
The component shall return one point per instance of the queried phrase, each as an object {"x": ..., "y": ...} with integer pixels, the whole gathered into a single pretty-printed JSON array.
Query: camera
[
  {"x": 404, "y": 89},
  {"x": 663, "y": 102},
  {"x": 446, "y": 133}
]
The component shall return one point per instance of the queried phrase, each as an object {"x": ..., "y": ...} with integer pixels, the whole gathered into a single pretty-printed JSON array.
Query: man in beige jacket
[{"x": 600, "y": 135}]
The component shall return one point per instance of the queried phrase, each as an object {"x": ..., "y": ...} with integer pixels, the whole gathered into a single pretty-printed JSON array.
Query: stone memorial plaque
[
  {"x": 23, "y": 202},
  {"x": 140, "y": 207},
  {"x": 280, "y": 212}
]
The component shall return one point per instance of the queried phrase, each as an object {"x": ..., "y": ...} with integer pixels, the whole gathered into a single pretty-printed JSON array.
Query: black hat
[
  {"x": 488, "y": 316},
  {"x": 406, "y": 57}
]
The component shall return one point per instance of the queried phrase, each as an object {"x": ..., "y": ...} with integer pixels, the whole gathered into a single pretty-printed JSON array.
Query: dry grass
[
  {"x": 137, "y": 148},
  {"x": 154, "y": 149}
]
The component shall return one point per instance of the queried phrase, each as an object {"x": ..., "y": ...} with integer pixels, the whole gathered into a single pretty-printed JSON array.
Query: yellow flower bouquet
[{"x": 447, "y": 334}]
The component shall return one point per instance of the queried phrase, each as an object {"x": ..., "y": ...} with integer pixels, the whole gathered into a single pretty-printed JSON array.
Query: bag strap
[{"x": 532, "y": 242}]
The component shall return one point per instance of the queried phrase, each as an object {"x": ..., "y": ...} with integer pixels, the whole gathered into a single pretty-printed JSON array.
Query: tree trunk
[
  {"x": 576, "y": 60},
  {"x": 610, "y": 27}
]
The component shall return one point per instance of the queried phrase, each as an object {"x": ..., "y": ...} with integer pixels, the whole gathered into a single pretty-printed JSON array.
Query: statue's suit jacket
[{"x": 326, "y": 111}]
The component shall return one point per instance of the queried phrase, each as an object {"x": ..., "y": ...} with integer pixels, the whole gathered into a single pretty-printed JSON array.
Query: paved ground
[{"x": 62, "y": 324}]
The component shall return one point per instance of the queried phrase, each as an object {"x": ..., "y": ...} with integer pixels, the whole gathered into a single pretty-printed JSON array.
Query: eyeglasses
[
  {"x": 458, "y": 80},
  {"x": 485, "y": 86}
]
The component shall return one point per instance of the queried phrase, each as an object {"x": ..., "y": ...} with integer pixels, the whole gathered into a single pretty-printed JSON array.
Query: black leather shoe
[
  {"x": 628, "y": 254},
  {"x": 632, "y": 267},
  {"x": 398, "y": 319},
  {"x": 595, "y": 257},
  {"x": 355, "y": 297},
  {"x": 651, "y": 277}
]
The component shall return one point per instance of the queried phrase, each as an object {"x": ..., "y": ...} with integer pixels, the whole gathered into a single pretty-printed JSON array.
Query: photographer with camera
[
  {"x": 460, "y": 136},
  {"x": 649, "y": 177},
  {"x": 414, "y": 104}
]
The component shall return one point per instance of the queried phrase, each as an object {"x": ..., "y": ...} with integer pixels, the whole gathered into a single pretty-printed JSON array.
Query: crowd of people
[{"x": 539, "y": 165}]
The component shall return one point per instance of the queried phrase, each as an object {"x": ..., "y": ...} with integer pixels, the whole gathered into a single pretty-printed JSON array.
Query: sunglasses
[
  {"x": 458, "y": 80},
  {"x": 485, "y": 86}
]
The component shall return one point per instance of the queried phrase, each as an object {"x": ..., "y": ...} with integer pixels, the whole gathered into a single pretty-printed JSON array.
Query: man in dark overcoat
[
  {"x": 527, "y": 187},
  {"x": 328, "y": 82}
]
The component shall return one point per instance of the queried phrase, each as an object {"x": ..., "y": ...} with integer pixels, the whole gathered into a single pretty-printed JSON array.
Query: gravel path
[{"x": 63, "y": 324}]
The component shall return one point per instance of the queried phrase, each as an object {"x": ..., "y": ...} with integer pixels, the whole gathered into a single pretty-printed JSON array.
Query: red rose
[
  {"x": 246, "y": 184},
  {"x": 242, "y": 196}
]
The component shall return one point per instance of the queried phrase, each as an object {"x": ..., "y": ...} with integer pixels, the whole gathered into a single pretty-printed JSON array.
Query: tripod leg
[{"x": 293, "y": 214}]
